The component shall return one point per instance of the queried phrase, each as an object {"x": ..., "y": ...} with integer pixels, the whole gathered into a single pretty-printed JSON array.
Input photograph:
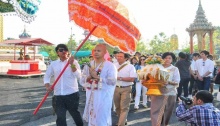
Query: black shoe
[
  {"x": 125, "y": 123},
  {"x": 132, "y": 101}
]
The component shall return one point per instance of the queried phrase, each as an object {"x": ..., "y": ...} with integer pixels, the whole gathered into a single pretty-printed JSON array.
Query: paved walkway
[{"x": 19, "y": 98}]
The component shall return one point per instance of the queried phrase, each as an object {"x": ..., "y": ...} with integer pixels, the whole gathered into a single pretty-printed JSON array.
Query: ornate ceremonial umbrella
[
  {"x": 114, "y": 23},
  {"x": 107, "y": 19}
]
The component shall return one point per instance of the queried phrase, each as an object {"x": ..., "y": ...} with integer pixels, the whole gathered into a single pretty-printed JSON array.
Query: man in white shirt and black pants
[{"x": 66, "y": 90}]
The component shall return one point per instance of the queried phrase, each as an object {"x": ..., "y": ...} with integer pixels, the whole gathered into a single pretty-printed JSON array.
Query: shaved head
[
  {"x": 102, "y": 46},
  {"x": 100, "y": 50}
]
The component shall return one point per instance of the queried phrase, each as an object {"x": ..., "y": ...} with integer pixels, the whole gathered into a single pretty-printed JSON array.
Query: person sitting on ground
[{"x": 201, "y": 113}]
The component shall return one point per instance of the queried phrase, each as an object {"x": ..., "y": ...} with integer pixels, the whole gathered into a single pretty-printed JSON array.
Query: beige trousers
[
  {"x": 162, "y": 105},
  {"x": 122, "y": 99}
]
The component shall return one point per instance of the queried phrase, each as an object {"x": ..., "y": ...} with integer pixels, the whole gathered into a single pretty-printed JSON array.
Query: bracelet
[
  {"x": 172, "y": 83},
  {"x": 73, "y": 66}
]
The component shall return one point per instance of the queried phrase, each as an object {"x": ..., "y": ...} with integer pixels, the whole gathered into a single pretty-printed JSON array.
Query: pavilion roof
[
  {"x": 27, "y": 41},
  {"x": 200, "y": 21}
]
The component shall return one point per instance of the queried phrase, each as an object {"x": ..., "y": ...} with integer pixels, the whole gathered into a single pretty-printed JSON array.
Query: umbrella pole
[{"x": 52, "y": 87}]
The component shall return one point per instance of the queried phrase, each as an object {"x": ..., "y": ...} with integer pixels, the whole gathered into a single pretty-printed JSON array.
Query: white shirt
[
  {"x": 203, "y": 66},
  {"x": 192, "y": 66},
  {"x": 67, "y": 84},
  {"x": 127, "y": 71},
  {"x": 174, "y": 77}
]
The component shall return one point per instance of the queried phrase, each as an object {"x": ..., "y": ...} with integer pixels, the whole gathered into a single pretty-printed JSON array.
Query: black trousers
[
  {"x": 183, "y": 85},
  {"x": 193, "y": 86},
  {"x": 70, "y": 103}
]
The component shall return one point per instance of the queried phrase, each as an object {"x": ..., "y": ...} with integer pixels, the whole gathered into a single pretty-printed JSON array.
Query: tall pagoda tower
[
  {"x": 174, "y": 42},
  {"x": 200, "y": 27}
]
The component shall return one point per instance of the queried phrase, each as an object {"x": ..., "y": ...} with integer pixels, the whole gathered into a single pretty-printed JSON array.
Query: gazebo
[
  {"x": 24, "y": 66},
  {"x": 200, "y": 27}
]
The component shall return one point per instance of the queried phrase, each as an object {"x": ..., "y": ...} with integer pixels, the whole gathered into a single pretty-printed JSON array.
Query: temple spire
[
  {"x": 24, "y": 34},
  {"x": 200, "y": 3}
]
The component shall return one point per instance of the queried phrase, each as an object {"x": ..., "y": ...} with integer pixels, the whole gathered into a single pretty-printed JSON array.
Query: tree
[
  {"x": 50, "y": 50},
  {"x": 142, "y": 47},
  {"x": 187, "y": 49},
  {"x": 88, "y": 45},
  {"x": 159, "y": 44},
  {"x": 216, "y": 41},
  {"x": 6, "y": 7},
  {"x": 71, "y": 44}
]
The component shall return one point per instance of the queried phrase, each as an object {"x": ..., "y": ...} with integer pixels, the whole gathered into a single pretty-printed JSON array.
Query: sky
[{"x": 152, "y": 17}]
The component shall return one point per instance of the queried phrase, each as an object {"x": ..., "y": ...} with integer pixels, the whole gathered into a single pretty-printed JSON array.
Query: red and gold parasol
[{"x": 111, "y": 18}]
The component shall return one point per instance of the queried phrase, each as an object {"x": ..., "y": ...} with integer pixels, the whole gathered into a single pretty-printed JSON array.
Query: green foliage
[
  {"x": 84, "y": 60},
  {"x": 91, "y": 45},
  {"x": 71, "y": 44},
  {"x": 142, "y": 47},
  {"x": 88, "y": 46},
  {"x": 50, "y": 50},
  {"x": 216, "y": 40},
  {"x": 159, "y": 44},
  {"x": 187, "y": 49},
  {"x": 6, "y": 7}
]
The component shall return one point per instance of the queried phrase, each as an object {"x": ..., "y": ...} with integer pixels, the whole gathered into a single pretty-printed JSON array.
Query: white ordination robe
[{"x": 98, "y": 106}]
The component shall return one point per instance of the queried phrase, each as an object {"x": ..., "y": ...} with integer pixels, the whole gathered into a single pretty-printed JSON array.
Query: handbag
[{"x": 218, "y": 96}]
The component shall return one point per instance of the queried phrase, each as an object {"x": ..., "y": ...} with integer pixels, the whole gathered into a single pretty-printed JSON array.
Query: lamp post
[{"x": 71, "y": 40}]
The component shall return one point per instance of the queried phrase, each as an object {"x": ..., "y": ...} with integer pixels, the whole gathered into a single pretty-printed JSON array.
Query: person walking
[
  {"x": 122, "y": 94},
  {"x": 162, "y": 106},
  {"x": 139, "y": 86},
  {"x": 66, "y": 91},
  {"x": 184, "y": 68},
  {"x": 134, "y": 61},
  {"x": 99, "y": 79}
]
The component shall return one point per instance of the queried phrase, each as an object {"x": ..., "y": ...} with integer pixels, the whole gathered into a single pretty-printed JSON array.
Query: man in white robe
[{"x": 99, "y": 79}]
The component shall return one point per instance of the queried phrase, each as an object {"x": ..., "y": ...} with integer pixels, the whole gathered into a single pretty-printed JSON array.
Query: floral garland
[{"x": 154, "y": 60}]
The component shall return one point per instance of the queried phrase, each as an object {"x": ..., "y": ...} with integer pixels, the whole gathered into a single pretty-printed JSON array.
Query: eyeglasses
[
  {"x": 143, "y": 59},
  {"x": 203, "y": 63},
  {"x": 62, "y": 49}
]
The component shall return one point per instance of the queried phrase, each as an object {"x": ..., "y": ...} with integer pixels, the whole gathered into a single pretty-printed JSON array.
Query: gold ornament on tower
[{"x": 153, "y": 76}]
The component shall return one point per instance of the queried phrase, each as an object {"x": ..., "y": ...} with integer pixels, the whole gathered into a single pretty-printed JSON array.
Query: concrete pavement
[{"x": 19, "y": 98}]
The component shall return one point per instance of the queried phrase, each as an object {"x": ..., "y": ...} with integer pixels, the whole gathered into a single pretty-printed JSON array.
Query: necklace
[{"x": 96, "y": 67}]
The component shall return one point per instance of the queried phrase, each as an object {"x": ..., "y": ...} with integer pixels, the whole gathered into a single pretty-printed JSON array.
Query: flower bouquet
[{"x": 153, "y": 75}]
